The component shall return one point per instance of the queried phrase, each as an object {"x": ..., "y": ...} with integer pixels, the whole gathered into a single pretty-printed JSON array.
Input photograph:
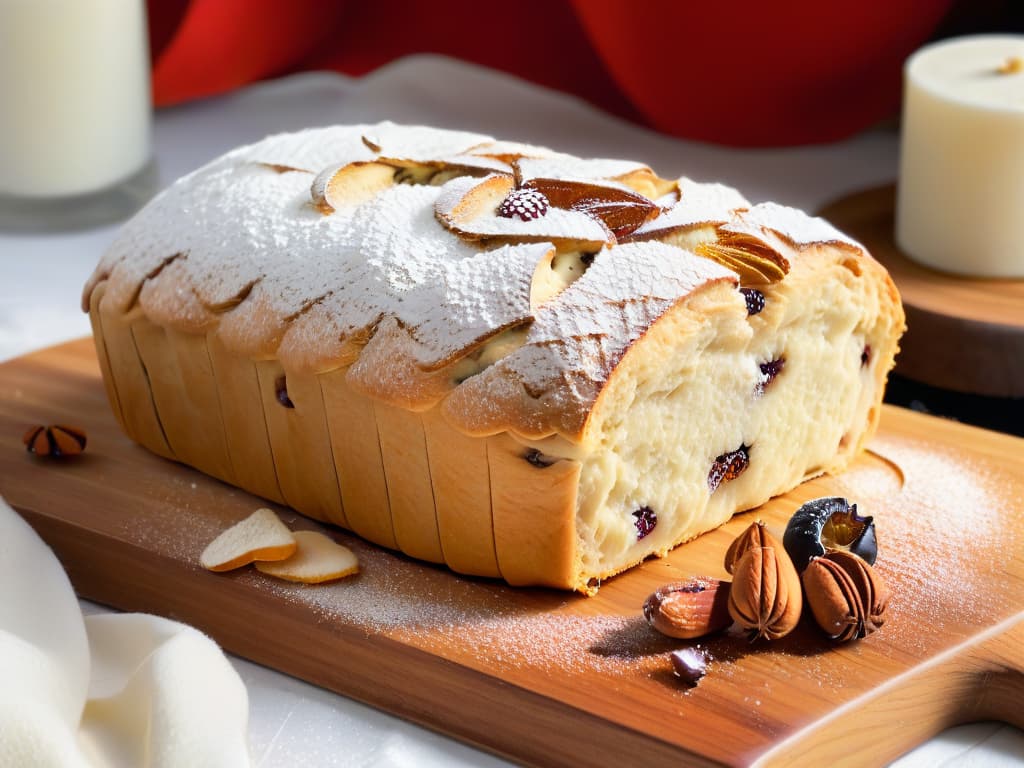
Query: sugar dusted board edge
[{"x": 108, "y": 517}]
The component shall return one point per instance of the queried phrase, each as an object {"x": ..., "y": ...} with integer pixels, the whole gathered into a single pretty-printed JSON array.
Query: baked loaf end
[{"x": 517, "y": 362}]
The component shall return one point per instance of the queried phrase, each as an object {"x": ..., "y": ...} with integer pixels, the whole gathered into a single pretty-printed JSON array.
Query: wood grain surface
[
  {"x": 549, "y": 678},
  {"x": 964, "y": 334}
]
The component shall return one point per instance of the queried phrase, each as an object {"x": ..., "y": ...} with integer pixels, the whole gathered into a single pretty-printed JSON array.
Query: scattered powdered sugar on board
[
  {"x": 187, "y": 527},
  {"x": 939, "y": 536},
  {"x": 870, "y": 481},
  {"x": 499, "y": 627},
  {"x": 496, "y": 626}
]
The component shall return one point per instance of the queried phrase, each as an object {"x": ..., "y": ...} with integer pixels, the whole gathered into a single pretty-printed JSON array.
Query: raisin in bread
[{"x": 517, "y": 362}]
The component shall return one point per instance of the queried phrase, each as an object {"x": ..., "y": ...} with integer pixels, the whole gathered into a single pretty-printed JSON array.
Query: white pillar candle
[
  {"x": 960, "y": 206},
  {"x": 74, "y": 95}
]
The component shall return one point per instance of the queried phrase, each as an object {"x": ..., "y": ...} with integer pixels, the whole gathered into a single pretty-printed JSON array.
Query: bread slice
[{"x": 519, "y": 363}]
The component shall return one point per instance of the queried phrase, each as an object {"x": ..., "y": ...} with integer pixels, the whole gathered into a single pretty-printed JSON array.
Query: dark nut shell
[
  {"x": 689, "y": 664},
  {"x": 689, "y": 609},
  {"x": 826, "y": 525},
  {"x": 846, "y": 596}
]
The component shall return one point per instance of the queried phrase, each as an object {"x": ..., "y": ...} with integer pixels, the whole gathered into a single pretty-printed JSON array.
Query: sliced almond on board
[
  {"x": 317, "y": 559},
  {"x": 260, "y": 536}
]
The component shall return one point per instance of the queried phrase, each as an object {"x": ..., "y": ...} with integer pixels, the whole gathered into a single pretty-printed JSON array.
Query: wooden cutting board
[{"x": 547, "y": 678}]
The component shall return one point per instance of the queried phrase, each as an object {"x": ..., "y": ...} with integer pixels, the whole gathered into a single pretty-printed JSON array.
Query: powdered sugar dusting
[
  {"x": 421, "y": 143},
  {"x": 934, "y": 535},
  {"x": 186, "y": 525},
  {"x": 578, "y": 340},
  {"x": 698, "y": 204},
  {"x": 792, "y": 225},
  {"x": 567, "y": 167},
  {"x": 308, "y": 150},
  {"x": 254, "y": 256}
]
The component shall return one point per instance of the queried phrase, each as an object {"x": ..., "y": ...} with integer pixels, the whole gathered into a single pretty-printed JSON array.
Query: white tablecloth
[{"x": 293, "y": 723}]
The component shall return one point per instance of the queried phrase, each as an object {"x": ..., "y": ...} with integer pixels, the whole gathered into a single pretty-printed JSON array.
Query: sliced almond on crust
[
  {"x": 469, "y": 207},
  {"x": 561, "y": 166},
  {"x": 621, "y": 210},
  {"x": 420, "y": 143},
  {"x": 755, "y": 264},
  {"x": 464, "y": 201},
  {"x": 698, "y": 206},
  {"x": 260, "y": 536},
  {"x": 350, "y": 184},
  {"x": 317, "y": 559},
  {"x": 646, "y": 182},
  {"x": 426, "y": 171},
  {"x": 431, "y": 155}
]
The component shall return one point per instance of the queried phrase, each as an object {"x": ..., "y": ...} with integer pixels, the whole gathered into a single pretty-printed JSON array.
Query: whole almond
[
  {"x": 846, "y": 596},
  {"x": 765, "y": 598},
  {"x": 689, "y": 609}
]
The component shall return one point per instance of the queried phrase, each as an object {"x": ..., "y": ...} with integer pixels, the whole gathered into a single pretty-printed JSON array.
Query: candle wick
[{"x": 1011, "y": 66}]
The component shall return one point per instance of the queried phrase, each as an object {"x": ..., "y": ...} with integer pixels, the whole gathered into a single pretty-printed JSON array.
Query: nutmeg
[
  {"x": 846, "y": 595},
  {"x": 57, "y": 440},
  {"x": 766, "y": 598},
  {"x": 689, "y": 609},
  {"x": 756, "y": 535}
]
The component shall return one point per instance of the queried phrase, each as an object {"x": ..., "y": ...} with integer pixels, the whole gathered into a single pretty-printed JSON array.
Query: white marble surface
[{"x": 293, "y": 723}]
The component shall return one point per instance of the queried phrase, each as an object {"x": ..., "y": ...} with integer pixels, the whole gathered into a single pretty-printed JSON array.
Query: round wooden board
[{"x": 963, "y": 334}]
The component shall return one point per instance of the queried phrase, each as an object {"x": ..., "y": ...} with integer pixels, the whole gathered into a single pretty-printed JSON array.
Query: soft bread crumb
[
  {"x": 317, "y": 559},
  {"x": 261, "y": 536}
]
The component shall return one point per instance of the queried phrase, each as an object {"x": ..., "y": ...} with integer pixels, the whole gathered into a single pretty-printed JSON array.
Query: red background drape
[{"x": 740, "y": 73}]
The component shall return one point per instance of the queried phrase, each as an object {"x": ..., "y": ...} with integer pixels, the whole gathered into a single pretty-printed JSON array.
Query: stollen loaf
[{"x": 517, "y": 362}]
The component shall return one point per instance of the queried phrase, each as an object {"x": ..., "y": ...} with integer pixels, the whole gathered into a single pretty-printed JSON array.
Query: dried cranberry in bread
[{"x": 491, "y": 355}]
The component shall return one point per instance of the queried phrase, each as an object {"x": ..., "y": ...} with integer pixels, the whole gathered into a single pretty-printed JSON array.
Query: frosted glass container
[{"x": 76, "y": 112}]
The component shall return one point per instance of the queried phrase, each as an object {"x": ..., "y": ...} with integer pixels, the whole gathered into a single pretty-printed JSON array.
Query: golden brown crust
[
  {"x": 403, "y": 447},
  {"x": 355, "y": 446},
  {"x": 534, "y": 512},
  {"x": 389, "y": 463},
  {"x": 245, "y": 428},
  {"x": 462, "y": 497},
  {"x": 300, "y": 443}
]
